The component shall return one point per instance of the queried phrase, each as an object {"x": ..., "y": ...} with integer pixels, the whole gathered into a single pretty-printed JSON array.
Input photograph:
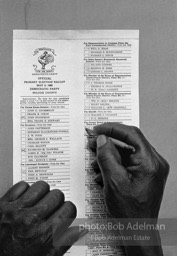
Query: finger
[
  {"x": 63, "y": 217},
  {"x": 62, "y": 244},
  {"x": 49, "y": 204},
  {"x": 128, "y": 134},
  {"x": 16, "y": 191},
  {"x": 70, "y": 236},
  {"x": 35, "y": 193},
  {"x": 109, "y": 160},
  {"x": 101, "y": 141}
]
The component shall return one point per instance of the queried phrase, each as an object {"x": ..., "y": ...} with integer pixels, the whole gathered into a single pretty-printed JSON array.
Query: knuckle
[
  {"x": 166, "y": 167},
  {"x": 27, "y": 221},
  {"x": 163, "y": 166},
  {"x": 135, "y": 130},
  {"x": 30, "y": 219},
  {"x": 44, "y": 235},
  {"x": 7, "y": 214}
]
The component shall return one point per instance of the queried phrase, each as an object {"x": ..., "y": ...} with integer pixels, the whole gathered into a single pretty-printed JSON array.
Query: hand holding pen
[
  {"x": 133, "y": 183},
  {"x": 118, "y": 143}
]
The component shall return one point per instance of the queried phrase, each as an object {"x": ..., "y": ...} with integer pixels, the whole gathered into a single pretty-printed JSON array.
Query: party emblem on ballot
[{"x": 44, "y": 59}]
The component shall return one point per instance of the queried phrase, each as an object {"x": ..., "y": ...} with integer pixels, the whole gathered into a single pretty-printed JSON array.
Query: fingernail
[
  {"x": 101, "y": 140},
  {"x": 83, "y": 233}
]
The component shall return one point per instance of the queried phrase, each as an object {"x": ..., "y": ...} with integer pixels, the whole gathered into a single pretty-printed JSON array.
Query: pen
[{"x": 119, "y": 143}]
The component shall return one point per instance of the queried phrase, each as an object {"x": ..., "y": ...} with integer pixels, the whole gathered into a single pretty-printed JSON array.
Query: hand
[
  {"x": 34, "y": 221},
  {"x": 133, "y": 182}
]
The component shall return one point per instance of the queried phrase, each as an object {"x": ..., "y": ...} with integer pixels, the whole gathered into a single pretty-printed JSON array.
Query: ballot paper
[{"x": 63, "y": 82}]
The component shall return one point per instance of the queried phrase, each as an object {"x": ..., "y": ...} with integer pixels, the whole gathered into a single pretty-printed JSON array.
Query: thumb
[{"x": 109, "y": 159}]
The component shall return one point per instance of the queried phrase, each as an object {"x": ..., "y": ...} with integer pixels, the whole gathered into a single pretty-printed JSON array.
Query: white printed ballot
[{"x": 64, "y": 81}]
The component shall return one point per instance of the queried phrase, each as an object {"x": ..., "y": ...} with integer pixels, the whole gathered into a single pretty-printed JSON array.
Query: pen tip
[{"x": 90, "y": 132}]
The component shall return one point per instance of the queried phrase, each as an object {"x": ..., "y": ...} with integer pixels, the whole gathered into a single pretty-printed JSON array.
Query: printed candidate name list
[{"x": 63, "y": 82}]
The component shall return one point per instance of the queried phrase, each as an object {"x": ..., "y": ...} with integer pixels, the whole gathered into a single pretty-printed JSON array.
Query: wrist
[
  {"x": 140, "y": 237},
  {"x": 139, "y": 248},
  {"x": 143, "y": 251}
]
